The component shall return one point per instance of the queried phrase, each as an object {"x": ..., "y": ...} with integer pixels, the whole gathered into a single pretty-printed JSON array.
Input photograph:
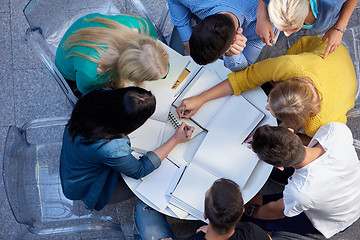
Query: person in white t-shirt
[{"x": 324, "y": 191}]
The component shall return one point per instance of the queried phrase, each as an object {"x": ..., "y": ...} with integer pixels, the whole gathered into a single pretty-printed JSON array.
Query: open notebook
[{"x": 221, "y": 154}]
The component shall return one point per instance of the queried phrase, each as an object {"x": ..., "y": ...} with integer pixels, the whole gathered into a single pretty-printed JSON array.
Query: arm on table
[
  {"x": 333, "y": 34},
  {"x": 182, "y": 134},
  {"x": 264, "y": 28},
  {"x": 193, "y": 104}
]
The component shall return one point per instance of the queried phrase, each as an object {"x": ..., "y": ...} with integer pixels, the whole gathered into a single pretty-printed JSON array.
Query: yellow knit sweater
[{"x": 334, "y": 78}]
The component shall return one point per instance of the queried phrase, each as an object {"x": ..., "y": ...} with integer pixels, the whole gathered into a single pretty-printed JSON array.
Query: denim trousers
[{"x": 151, "y": 224}]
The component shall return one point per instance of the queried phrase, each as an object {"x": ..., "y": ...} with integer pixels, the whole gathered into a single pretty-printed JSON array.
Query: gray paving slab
[
  {"x": 22, "y": 55},
  {"x": 5, "y": 6},
  {"x": 5, "y": 41},
  {"x": 7, "y": 107},
  {"x": 37, "y": 95}
]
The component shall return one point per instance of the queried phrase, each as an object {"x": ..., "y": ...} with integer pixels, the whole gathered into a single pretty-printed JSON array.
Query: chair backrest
[
  {"x": 49, "y": 20},
  {"x": 161, "y": 22},
  {"x": 32, "y": 183}
]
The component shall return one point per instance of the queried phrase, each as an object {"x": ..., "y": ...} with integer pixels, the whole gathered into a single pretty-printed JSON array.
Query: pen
[
  {"x": 182, "y": 113},
  {"x": 186, "y": 135}
]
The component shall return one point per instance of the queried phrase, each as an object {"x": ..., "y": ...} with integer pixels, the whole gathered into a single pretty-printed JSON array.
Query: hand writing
[{"x": 189, "y": 106}]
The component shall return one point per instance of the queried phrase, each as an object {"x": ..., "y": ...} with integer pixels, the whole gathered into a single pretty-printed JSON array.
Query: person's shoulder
[
  {"x": 248, "y": 230},
  {"x": 333, "y": 131},
  {"x": 116, "y": 148}
]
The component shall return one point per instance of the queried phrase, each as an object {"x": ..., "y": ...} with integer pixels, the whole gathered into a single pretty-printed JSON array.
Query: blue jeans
[
  {"x": 298, "y": 224},
  {"x": 151, "y": 224}
]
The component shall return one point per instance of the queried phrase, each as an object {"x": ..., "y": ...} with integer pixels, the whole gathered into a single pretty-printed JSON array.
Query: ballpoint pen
[
  {"x": 186, "y": 134},
  {"x": 182, "y": 113}
]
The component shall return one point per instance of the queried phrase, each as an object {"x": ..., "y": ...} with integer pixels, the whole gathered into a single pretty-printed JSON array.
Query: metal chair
[
  {"x": 33, "y": 188},
  {"x": 49, "y": 20}
]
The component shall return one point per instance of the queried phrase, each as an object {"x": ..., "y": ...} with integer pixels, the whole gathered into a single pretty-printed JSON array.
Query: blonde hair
[
  {"x": 294, "y": 101},
  {"x": 288, "y": 14},
  {"x": 126, "y": 54}
]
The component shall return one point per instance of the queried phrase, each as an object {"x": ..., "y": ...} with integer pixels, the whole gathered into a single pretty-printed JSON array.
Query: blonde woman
[
  {"x": 100, "y": 50},
  {"x": 317, "y": 15},
  {"x": 319, "y": 91}
]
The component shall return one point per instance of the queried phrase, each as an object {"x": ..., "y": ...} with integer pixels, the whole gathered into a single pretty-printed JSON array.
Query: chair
[
  {"x": 351, "y": 41},
  {"x": 33, "y": 188},
  {"x": 162, "y": 23},
  {"x": 49, "y": 20}
]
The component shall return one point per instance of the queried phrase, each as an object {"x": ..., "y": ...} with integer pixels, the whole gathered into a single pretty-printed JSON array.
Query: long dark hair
[{"x": 110, "y": 113}]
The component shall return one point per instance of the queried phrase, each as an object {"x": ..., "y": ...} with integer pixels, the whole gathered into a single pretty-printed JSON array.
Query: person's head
[
  {"x": 110, "y": 113},
  {"x": 278, "y": 146},
  {"x": 223, "y": 205},
  {"x": 211, "y": 38},
  {"x": 128, "y": 56},
  {"x": 294, "y": 101},
  {"x": 288, "y": 15}
]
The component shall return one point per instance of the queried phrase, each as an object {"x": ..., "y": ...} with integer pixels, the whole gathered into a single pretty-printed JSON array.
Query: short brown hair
[
  {"x": 211, "y": 38},
  {"x": 278, "y": 146},
  {"x": 224, "y": 205},
  {"x": 294, "y": 101}
]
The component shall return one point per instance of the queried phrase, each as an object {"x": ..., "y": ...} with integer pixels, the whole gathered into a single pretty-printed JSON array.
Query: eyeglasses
[{"x": 167, "y": 72}]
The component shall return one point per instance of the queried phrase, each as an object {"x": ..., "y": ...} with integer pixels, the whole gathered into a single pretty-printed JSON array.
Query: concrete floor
[{"x": 29, "y": 92}]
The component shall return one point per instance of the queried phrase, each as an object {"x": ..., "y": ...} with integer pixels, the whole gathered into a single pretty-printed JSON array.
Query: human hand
[
  {"x": 183, "y": 133},
  {"x": 238, "y": 45},
  {"x": 265, "y": 31},
  {"x": 334, "y": 40},
  {"x": 249, "y": 141},
  {"x": 189, "y": 106},
  {"x": 186, "y": 48},
  {"x": 202, "y": 228}
]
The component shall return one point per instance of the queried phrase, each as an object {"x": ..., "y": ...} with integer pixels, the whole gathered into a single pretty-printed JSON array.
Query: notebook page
[
  {"x": 222, "y": 152},
  {"x": 147, "y": 137},
  {"x": 193, "y": 185},
  {"x": 203, "y": 81},
  {"x": 155, "y": 186}
]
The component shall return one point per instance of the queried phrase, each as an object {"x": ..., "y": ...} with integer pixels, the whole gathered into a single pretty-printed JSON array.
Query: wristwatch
[
  {"x": 250, "y": 210},
  {"x": 340, "y": 30}
]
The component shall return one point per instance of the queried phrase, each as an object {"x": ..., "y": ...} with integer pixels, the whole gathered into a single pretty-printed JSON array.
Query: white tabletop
[{"x": 259, "y": 175}]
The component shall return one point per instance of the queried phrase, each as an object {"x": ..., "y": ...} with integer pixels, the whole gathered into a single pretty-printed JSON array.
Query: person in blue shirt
[
  {"x": 96, "y": 149},
  {"x": 319, "y": 16},
  {"x": 227, "y": 28}
]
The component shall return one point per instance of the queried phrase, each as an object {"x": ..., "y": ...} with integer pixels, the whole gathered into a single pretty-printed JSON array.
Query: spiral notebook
[{"x": 175, "y": 121}]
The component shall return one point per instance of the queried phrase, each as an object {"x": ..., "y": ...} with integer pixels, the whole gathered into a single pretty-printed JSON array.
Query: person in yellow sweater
[{"x": 327, "y": 87}]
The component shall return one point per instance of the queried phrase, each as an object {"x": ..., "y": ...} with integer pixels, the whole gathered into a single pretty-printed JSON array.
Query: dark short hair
[
  {"x": 211, "y": 38},
  {"x": 224, "y": 205},
  {"x": 110, "y": 113},
  {"x": 278, "y": 146}
]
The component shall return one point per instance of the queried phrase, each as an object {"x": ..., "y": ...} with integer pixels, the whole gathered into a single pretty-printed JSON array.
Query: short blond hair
[
  {"x": 288, "y": 14},
  {"x": 129, "y": 56},
  {"x": 294, "y": 101}
]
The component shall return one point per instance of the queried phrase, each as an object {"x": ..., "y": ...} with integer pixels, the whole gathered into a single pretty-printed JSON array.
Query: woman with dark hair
[{"x": 96, "y": 149}]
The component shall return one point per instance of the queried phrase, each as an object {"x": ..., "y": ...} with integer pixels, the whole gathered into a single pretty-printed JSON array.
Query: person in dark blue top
[{"x": 96, "y": 149}]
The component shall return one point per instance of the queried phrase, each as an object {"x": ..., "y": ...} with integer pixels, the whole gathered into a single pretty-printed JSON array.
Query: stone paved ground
[{"x": 29, "y": 92}]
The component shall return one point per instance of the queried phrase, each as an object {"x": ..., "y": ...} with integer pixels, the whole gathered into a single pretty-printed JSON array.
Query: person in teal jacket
[
  {"x": 96, "y": 149},
  {"x": 109, "y": 51}
]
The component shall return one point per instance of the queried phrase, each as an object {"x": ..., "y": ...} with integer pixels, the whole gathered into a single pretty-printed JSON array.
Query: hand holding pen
[
  {"x": 183, "y": 133},
  {"x": 189, "y": 106}
]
